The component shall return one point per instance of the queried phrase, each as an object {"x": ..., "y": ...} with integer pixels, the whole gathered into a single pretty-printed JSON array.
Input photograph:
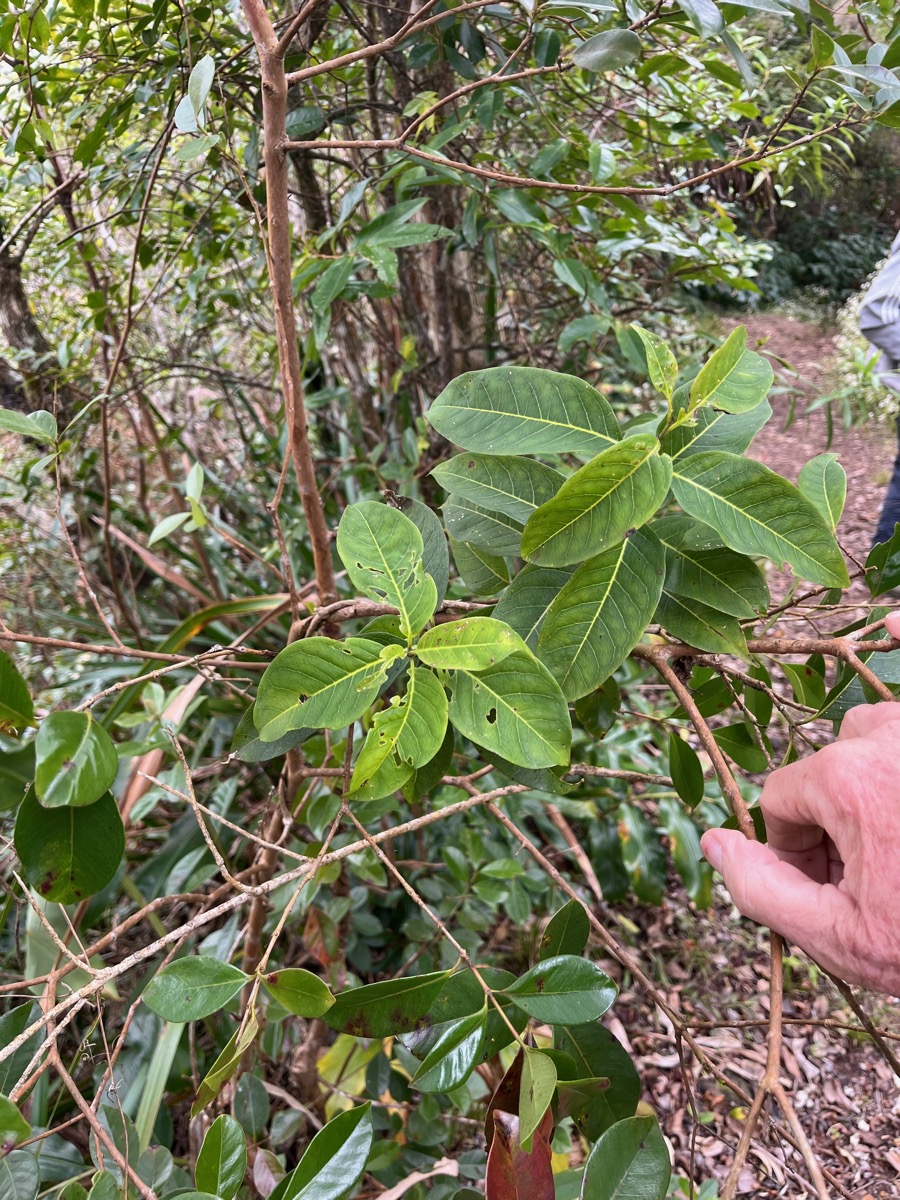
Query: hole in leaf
[{"x": 491, "y": 716}]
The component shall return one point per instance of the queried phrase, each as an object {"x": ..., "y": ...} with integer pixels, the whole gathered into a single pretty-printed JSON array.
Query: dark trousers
[{"x": 890, "y": 513}]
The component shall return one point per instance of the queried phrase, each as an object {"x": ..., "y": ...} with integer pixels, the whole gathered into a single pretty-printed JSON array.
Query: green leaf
[
  {"x": 20, "y": 1178},
  {"x": 598, "y": 1055},
  {"x": 41, "y": 426},
  {"x": 222, "y": 1161},
  {"x": 742, "y": 747},
  {"x": 618, "y": 490},
  {"x": 247, "y": 745},
  {"x": 16, "y": 707},
  {"x": 630, "y": 1159},
  {"x": 514, "y": 708},
  {"x": 333, "y": 1162},
  {"x": 493, "y": 532},
  {"x": 661, "y": 362},
  {"x": 200, "y": 81},
  {"x": 525, "y": 603},
  {"x": 734, "y": 378},
  {"x": 299, "y": 991},
  {"x": 686, "y": 771},
  {"x": 508, "y": 484},
  {"x": 883, "y": 565},
  {"x": 718, "y": 578},
  {"x": 599, "y": 711},
  {"x": 524, "y": 410},
  {"x": 382, "y": 550},
  {"x": 703, "y": 15},
  {"x": 435, "y": 555},
  {"x": 167, "y": 525},
  {"x": 607, "y": 51},
  {"x": 13, "y": 1126},
  {"x": 76, "y": 761},
  {"x": 13, "y": 1023},
  {"x": 192, "y": 988},
  {"x": 468, "y": 644},
  {"x": 700, "y": 626},
  {"x": 711, "y": 429},
  {"x": 757, "y": 512},
  {"x": 642, "y": 854},
  {"x": 68, "y": 854},
  {"x": 483, "y": 573},
  {"x": 319, "y": 683},
  {"x": 563, "y": 991},
  {"x": 567, "y": 932},
  {"x": 806, "y": 683},
  {"x": 823, "y": 482},
  {"x": 331, "y": 283},
  {"x": 454, "y": 1056},
  {"x": 684, "y": 846},
  {"x": 385, "y": 1009},
  {"x": 226, "y": 1064},
  {"x": 601, "y": 613},
  {"x": 535, "y": 1094},
  {"x": 405, "y": 735}
]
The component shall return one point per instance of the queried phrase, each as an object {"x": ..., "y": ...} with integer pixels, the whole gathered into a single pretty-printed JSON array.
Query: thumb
[{"x": 819, "y": 918}]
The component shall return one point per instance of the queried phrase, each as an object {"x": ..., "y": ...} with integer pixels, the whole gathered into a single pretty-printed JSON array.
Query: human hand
[{"x": 829, "y": 877}]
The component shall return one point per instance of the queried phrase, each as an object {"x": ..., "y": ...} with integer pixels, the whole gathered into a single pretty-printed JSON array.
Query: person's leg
[
  {"x": 890, "y": 513},
  {"x": 887, "y": 339}
]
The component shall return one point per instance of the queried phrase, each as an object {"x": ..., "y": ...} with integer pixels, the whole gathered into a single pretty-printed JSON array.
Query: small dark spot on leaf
[
  {"x": 358, "y": 1027},
  {"x": 68, "y": 765},
  {"x": 272, "y": 977},
  {"x": 539, "y": 983},
  {"x": 47, "y": 883},
  {"x": 423, "y": 1022},
  {"x": 470, "y": 464}
]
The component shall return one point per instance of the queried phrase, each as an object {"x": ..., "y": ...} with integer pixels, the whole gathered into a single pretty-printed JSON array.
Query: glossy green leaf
[
  {"x": 13, "y": 1126},
  {"x": 491, "y": 530},
  {"x": 700, "y": 626},
  {"x": 720, "y": 578},
  {"x": 251, "y": 1104},
  {"x": 319, "y": 683},
  {"x": 686, "y": 771},
  {"x": 454, "y": 1056},
  {"x": 705, "y": 17},
  {"x": 404, "y": 736},
  {"x": 461, "y": 996},
  {"x": 300, "y": 992},
  {"x": 222, "y": 1161},
  {"x": 514, "y": 708},
  {"x": 599, "y": 1055},
  {"x": 226, "y": 1065},
  {"x": 16, "y": 708},
  {"x": 595, "y": 508},
  {"x": 661, "y": 362},
  {"x": 435, "y": 554},
  {"x": 506, "y": 483},
  {"x": 191, "y": 988},
  {"x": 334, "y": 1160},
  {"x": 20, "y": 1177},
  {"x": 483, "y": 573},
  {"x": 823, "y": 482},
  {"x": 524, "y": 604},
  {"x": 563, "y": 991},
  {"x": 712, "y": 429},
  {"x": 601, "y": 613},
  {"x": 607, "y": 51},
  {"x": 468, "y": 644},
  {"x": 742, "y": 747},
  {"x": 758, "y": 512},
  {"x": 76, "y": 760},
  {"x": 535, "y": 1094},
  {"x": 567, "y": 932},
  {"x": 383, "y": 552},
  {"x": 733, "y": 378},
  {"x": 806, "y": 683},
  {"x": 68, "y": 854},
  {"x": 384, "y": 1009},
  {"x": 630, "y": 1159},
  {"x": 523, "y": 410}
]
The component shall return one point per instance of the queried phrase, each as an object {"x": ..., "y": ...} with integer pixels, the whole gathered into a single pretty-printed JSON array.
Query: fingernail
[{"x": 712, "y": 848}]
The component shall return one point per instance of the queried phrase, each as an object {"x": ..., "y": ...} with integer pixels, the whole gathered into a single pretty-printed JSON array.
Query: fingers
[
  {"x": 867, "y": 719},
  {"x": 818, "y": 918},
  {"x": 892, "y": 624}
]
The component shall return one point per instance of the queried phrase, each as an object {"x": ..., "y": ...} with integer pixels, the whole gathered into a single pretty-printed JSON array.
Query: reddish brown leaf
[
  {"x": 511, "y": 1173},
  {"x": 506, "y": 1096}
]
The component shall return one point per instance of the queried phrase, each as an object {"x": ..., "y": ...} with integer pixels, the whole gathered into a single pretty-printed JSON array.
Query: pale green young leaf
[
  {"x": 601, "y": 613},
  {"x": 617, "y": 491},
  {"x": 823, "y": 482},
  {"x": 733, "y": 378},
  {"x": 319, "y": 683},
  {"x": 468, "y": 644},
  {"x": 409, "y": 732},
  {"x": 713, "y": 429},
  {"x": 514, "y": 708},
  {"x": 503, "y": 482},
  {"x": 382, "y": 551},
  {"x": 524, "y": 410},
  {"x": 200, "y": 81},
  {"x": 29, "y": 424},
  {"x": 491, "y": 530},
  {"x": 168, "y": 525},
  {"x": 524, "y": 604},
  {"x": 661, "y": 362},
  {"x": 700, "y": 626},
  {"x": 757, "y": 512}
]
